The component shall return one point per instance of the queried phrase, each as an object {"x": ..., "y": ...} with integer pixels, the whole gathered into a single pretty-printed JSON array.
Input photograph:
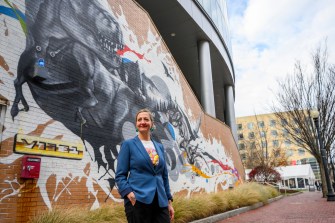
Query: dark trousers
[{"x": 146, "y": 213}]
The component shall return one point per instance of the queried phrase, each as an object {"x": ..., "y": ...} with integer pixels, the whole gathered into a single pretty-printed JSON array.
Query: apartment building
[{"x": 267, "y": 133}]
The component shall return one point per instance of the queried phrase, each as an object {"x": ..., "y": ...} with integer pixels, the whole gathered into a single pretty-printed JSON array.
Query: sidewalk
[{"x": 305, "y": 207}]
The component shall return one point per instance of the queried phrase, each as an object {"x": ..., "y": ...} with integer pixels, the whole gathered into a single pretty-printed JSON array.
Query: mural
[{"x": 84, "y": 68}]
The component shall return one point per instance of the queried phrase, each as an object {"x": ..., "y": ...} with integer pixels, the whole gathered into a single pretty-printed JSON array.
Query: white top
[{"x": 150, "y": 148}]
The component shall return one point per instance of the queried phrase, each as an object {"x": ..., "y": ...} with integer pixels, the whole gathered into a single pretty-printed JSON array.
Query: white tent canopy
[
  {"x": 299, "y": 171},
  {"x": 298, "y": 176}
]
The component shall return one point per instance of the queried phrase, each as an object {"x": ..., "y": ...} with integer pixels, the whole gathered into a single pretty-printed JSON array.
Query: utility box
[{"x": 31, "y": 167}]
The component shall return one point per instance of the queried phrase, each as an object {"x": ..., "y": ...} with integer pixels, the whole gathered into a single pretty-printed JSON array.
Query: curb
[{"x": 228, "y": 214}]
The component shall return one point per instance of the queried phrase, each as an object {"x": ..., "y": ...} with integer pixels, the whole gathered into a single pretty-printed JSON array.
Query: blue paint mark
[
  {"x": 10, "y": 12},
  {"x": 171, "y": 130},
  {"x": 125, "y": 60}
]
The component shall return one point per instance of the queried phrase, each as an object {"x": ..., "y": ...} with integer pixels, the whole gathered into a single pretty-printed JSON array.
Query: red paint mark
[
  {"x": 127, "y": 49},
  {"x": 223, "y": 166}
]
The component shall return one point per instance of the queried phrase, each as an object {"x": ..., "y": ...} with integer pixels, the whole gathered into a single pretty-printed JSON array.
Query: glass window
[
  {"x": 261, "y": 124},
  {"x": 252, "y": 145},
  {"x": 306, "y": 182},
  {"x": 299, "y": 141},
  {"x": 274, "y": 133},
  {"x": 263, "y": 144},
  {"x": 297, "y": 130},
  {"x": 301, "y": 152},
  {"x": 301, "y": 182},
  {"x": 303, "y": 161},
  {"x": 240, "y": 136},
  {"x": 251, "y": 135},
  {"x": 239, "y": 126},
  {"x": 241, "y": 146},
  {"x": 272, "y": 123},
  {"x": 286, "y": 183},
  {"x": 277, "y": 153},
  {"x": 292, "y": 183},
  {"x": 283, "y": 122},
  {"x": 250, "y": 125},
  {"x": 289, "y": 152},
  {"x": 275, "y": 143},
  {"x": 285, "y": 132},
  {"x": 263, "y": 134},
  {"x": 287, "y": 143}
]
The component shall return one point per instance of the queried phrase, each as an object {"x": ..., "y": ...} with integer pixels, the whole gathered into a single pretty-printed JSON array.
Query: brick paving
[{"x": 305, "y": 207}]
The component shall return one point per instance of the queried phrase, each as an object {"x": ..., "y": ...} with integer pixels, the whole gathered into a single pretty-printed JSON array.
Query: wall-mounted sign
[{"x": 47, "y": 147}]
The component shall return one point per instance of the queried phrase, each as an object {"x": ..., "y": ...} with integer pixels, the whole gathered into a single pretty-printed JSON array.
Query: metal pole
[{"x": 330, "y": 194}]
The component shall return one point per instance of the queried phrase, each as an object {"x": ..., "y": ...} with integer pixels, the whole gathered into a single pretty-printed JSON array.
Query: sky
[{"x": 268, "y": 38}]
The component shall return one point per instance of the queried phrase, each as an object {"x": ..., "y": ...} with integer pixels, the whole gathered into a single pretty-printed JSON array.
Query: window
[
  {"x": 272, "y": 123},
  {"x": 297, "y": 130},
  {"x": 263, "y": 144},
  {"x": 239, "y": 126},
  {"x": 252, "y": 145},
  {"x": 283, "y": 122},
  {"x": 243, "y": 156},
  {"x": 301, "y": 152},
  {"x": 251, "y": 135},
  {"x": 285, "y": 132},
  {"x": 289, "y": 152},
  {"x": 301, "y": 183},
  {"x": 275, "y": 143},
  {"x": 276, "y": 153},
  {"x": 261, "y": 124},
  {"x": 287, "y": 143},
  {"x": 292, "y": 183},
  {"x": 241, "y": 146},
  {"x": 263, "y": 134},
  {"x": 299, "y": 141},
  {"x": 250, "y": 125},
  {"x": 274, "y": 133},
  {"x": 240, "y": 136}
]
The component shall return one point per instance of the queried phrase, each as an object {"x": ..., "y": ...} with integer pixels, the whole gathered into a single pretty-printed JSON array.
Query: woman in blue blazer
[{"x": 142, "y": 176}]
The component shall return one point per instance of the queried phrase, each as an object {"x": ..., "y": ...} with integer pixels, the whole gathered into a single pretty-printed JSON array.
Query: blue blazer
[{"x": 136, "y": 173}]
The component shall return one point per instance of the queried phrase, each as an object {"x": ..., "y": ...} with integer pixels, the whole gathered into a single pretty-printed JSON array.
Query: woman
[{"x": 142, "y": 177}]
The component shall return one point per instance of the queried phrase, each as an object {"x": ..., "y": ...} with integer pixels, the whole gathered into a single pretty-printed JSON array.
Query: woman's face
[{"x": 143, "y": 122}]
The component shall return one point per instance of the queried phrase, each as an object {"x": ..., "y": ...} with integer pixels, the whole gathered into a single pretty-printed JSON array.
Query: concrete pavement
[{"x": 305, "y": 207}]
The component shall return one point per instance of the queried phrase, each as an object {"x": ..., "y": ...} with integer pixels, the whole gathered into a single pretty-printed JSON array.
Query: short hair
[{"x": 145, "y": 110}]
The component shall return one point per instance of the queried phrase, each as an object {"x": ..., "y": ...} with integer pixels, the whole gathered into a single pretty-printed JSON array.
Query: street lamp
[{"x": 330, "y": 194}]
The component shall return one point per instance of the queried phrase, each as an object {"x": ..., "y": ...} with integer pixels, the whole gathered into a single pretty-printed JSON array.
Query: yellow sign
[{"x": 47, "y": 147}]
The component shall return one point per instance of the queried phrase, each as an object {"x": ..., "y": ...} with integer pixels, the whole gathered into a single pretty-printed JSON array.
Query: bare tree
[
  {"x": 257, "y": 149},
  {"x": 302, "y": 92}
]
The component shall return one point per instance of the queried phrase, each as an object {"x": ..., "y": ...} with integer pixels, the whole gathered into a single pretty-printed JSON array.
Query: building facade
[
  {"x": 265, "y": 132},
  {"x": 74, "y": 73}
]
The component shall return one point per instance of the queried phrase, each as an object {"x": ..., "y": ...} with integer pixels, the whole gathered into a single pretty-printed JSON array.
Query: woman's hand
[
  {"x": 171, "y": 210},
  {"x": 132, "y": 198}
]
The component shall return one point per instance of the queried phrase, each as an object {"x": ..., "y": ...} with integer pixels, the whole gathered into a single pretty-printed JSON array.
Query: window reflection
[{"x": 217, "y": 11}]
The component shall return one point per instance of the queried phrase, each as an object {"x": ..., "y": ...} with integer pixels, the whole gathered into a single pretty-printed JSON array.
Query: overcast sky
[{"x": 268, "y": 37}]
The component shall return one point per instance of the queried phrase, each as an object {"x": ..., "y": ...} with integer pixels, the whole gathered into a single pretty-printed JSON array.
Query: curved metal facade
[{"x": 217, "y": 11}]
